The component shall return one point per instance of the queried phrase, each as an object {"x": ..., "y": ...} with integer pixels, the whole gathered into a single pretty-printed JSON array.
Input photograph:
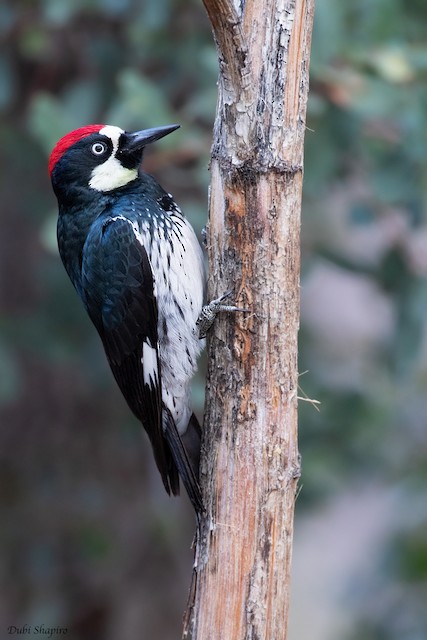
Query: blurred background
[{"x": 88, "y": 539}]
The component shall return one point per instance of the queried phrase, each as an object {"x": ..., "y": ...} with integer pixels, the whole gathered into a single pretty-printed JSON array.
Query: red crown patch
[{"x": 68, "y": 140}]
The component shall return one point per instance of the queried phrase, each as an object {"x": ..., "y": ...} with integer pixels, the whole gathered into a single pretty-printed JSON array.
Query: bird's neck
[{"x": 74, "y": 223}]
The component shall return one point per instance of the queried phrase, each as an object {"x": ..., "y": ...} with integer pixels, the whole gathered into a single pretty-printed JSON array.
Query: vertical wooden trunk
[{"x": 250, "y": 461}]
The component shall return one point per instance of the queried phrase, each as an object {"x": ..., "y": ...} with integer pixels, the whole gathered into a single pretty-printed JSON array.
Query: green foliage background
[{"x": 88, "y": 540}]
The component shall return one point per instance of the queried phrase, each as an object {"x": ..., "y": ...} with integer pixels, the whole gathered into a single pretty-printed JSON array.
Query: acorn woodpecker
[{"x": 136, "y": 264}]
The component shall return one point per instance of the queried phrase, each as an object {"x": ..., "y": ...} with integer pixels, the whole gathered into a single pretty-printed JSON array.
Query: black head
[{"x": 99, "y": 157}]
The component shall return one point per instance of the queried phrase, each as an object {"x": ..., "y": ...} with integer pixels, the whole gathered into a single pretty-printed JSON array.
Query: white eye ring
[{"x": 98, "y": 148}]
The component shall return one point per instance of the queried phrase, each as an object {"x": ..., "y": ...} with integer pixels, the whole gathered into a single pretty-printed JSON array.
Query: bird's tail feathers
[
  {"x": 182, "y": 461},
  {"x": 191, "y": 440}
]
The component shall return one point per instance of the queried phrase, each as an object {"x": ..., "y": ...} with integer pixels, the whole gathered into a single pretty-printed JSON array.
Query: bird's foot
[{"x": 211, "y": 310}]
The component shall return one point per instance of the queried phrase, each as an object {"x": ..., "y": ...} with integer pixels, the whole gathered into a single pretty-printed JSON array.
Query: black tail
[
  {"x": 192, "y": 440},
  {"x": 182, "y": 460}
]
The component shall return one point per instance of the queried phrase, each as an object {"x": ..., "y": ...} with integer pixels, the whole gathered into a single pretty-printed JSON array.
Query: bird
[{"x": 136, "y": 263}]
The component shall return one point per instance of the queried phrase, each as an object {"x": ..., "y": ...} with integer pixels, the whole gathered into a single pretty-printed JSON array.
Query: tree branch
[
  {"x": 229, "y": 38},
  {"x": 250, "y": 461}
]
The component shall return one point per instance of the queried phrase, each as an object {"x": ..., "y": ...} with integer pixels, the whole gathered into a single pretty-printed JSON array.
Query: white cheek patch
[{"x": 111, "y": 174}]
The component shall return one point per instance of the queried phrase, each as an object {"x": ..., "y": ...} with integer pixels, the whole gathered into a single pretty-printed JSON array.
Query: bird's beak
[{"x": 133, "y": 142}]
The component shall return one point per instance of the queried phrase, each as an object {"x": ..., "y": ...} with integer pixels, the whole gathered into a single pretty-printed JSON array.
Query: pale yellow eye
[{"x": 98, "y": 148}]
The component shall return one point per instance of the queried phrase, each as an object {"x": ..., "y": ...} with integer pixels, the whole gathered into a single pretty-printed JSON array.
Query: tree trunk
[{"x": 250, "y": 462}]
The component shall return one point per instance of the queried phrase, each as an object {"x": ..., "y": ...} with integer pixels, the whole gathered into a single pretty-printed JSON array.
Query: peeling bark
[{"x": 250, "y": 462}]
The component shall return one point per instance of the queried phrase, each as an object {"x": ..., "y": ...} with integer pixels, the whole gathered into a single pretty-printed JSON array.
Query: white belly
[{"x": 179, "y": 287}]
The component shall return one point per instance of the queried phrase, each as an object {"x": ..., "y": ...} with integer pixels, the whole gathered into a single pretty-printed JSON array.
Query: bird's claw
[
  {"x": 211, "y": 310},
  {"x": 204, "y": 234}
]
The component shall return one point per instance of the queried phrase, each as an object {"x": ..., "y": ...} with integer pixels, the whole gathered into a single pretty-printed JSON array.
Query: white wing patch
[
  {"x": 111, "y": 174},
  {"x": 149, "y": 364}
]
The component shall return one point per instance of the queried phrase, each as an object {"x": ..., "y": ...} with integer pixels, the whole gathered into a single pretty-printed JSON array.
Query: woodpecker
[{"x": 138, "y": 268}]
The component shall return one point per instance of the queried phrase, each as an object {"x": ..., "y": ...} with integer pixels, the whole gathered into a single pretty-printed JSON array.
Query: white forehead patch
[
  {"x": 111, "y": 174},
  {"x": 113, "y": 133}
]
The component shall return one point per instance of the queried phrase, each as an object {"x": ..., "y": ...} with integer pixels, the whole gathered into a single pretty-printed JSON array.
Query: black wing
[{"x": 118, "y": 292}]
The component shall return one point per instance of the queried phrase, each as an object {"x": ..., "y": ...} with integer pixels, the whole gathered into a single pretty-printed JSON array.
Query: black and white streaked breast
[{"x": 179, "y": 276}]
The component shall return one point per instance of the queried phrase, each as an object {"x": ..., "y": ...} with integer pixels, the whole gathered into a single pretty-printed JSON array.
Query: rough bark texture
[{"x": 250, "y": 461}]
